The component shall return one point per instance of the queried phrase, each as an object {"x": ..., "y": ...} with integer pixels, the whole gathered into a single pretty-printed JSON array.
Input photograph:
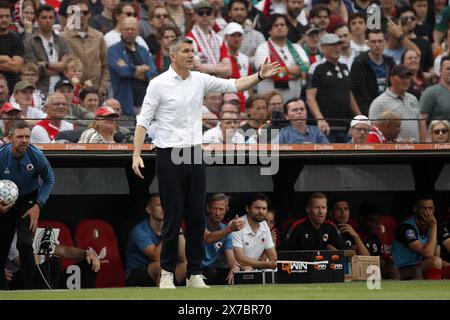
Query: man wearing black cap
[{"x": 396, "y": 98}]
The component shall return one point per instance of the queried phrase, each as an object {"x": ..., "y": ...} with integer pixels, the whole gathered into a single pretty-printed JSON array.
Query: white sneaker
[
  {"x": 196, "y": 281},
  {"x": 166, "y": 280}
]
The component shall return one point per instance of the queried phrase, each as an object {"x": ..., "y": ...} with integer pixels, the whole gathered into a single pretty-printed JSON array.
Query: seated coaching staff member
[
  {"x": 24, "y": 164},
  {"x": 175, "y": 99},
  {"x": 315, "y": 232}
]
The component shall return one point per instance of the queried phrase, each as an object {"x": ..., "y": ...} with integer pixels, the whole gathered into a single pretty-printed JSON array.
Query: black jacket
[{"x": 364, "y": 82}]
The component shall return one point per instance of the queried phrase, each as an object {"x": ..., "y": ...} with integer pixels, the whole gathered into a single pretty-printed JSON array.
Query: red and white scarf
[{"x": 208, "y": 45}]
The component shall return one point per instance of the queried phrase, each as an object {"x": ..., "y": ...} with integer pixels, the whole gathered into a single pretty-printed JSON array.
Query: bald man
[
  {"x": 45, "y": 131},
  {"x": 130, "y": 67},
  {"x": 386, "y": 129}
]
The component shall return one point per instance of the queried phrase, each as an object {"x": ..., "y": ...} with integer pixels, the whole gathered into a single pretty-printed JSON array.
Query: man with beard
[
  {"x": 255, "y": 239},
  {"x": 25, "y": 165},
  {"x": 314, "y": 232},
  {"x": 11, "y": 48},
  {"x": 296, "y": 29}
]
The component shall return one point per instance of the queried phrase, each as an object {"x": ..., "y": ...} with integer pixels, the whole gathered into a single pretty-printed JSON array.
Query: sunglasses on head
[
  {"x": 204, "y": 12},
  {"x": 440, "y": 131}
]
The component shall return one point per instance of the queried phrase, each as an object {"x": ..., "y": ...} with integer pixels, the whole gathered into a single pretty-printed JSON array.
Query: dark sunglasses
[
  {"x": 440, "y": 131},
  {"x": 204, "y": 12},
  {"x": 84, "y": 12},
  {"x": 160, "y": 16},
  {"x": 129, "y": 14},
  {"x": 412, "y": 18}
]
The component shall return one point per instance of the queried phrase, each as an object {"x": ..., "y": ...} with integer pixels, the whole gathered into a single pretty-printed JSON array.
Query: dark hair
[
  {"x": 286, "y": 104},
  {"x": 273, "y": 18},
  {"x": 251, "y": 99},
  {"x": 405, "y": 9},
  {"x": 87, "y": 91},
  {"x": 317, "y": 9},
  {"x": 18, "y": 124},
  {"x": 446, "y": 58},
  {"x": 44, "y": 7},
  {"x": 423, "y": 196},
  {"x": 374, "y": 31},
  {"x": 151, "y": 196},
  {"x": 167, "y": 27},
  {"x": 5, "y": 5},
  {"x": 118, "y": 10},
  {"x": 411, "y": 2},
  {"x": 356, "y": 15},
  {"x": 244, "y": 2},
  {"x": 341, "y": 25},
  {"x": 258, "y": 196}
]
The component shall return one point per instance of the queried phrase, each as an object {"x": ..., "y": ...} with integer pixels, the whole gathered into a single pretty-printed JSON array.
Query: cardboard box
[{"x": 360, "y": 265}]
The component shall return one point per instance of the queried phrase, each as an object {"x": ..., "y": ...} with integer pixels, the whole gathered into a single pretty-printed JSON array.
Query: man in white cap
[{"x": 359, "y": 129}]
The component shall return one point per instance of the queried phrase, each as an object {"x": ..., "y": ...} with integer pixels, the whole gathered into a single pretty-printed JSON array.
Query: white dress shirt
[
  {"x": 253, "y": 245},
  {"x": 215, "y": 135},
  {"x": 177, "y": 106}
]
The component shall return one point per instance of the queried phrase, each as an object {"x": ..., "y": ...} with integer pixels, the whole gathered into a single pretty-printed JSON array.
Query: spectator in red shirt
[{"x": 387, "y": 128}]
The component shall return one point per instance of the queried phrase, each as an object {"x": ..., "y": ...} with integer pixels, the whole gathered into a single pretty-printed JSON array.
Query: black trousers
[
  {"x": 9, "y": 222},
  {"x": 182, "y": 192}
]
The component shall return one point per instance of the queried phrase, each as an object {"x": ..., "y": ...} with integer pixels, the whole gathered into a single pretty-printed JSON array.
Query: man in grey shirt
[
  {"x": 434, "y": 102},
  {"x": 397, "y": 99}
]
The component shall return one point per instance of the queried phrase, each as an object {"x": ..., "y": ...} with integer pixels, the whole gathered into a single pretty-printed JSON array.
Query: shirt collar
[
  {"x": 175, "y": 75},
  {"x": 392, "y": 95}
]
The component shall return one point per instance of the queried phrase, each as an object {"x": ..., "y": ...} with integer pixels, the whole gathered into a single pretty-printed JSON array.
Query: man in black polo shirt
[
  {"x": 329, "y": 94},
  {"x": 314, "y": 232},
  {"x": 296, "y": 29},
  {"x": 11, "y": 48}
]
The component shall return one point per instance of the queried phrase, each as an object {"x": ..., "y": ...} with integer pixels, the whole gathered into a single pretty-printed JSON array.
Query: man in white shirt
[
  {"x": 255, "y": 239},
  {"x": 174, "y": 99},
  {"x": 225, "y": 132},
  {"x": 293, "y": 59},
  {"x": 45, "y": 131}
]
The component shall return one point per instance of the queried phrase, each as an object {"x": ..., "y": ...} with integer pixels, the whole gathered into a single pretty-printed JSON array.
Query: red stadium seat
[
  {"x": 99, "y": 237},
  {"x": 386, "y": 234},
  {"x": 64, "y": 238}
]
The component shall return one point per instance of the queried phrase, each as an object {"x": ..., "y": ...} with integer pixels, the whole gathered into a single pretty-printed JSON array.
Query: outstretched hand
[{"x": 269, "y": 69}]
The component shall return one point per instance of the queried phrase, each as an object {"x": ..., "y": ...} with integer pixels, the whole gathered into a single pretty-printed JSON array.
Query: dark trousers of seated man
[
  {"x": 182, "y": 191},
  {"x": 9, "y": 223},
  {"x": 56, "y": 277},
  {"x": 216, "y": 275}
]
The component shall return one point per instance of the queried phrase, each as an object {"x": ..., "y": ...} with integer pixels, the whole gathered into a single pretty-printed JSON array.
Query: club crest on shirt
[
  {"x": 409, "y": 234},
  {"x": 30, "y": 167},
  {"x": 325, "y": 237},
  {"x": 218, "y": 245},
  {"x": 348, "y": 243}
]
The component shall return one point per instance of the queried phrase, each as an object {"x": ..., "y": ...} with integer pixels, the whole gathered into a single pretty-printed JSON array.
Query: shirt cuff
[{"x": 141, "y": 121}]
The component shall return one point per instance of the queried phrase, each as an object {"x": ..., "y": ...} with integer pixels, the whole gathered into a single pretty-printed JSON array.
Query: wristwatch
[
  {"x": 259, "y": 76},
  {"x": 40, "y": 205}
]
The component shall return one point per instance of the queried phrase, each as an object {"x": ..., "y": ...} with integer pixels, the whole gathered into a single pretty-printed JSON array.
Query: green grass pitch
[{"x": 337, "y": 291}]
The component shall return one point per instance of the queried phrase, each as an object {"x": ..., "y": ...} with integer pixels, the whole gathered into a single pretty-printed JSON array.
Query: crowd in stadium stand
[
  {"x": 387, "y": 60},
  {"x": 352, "y": 71}
]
